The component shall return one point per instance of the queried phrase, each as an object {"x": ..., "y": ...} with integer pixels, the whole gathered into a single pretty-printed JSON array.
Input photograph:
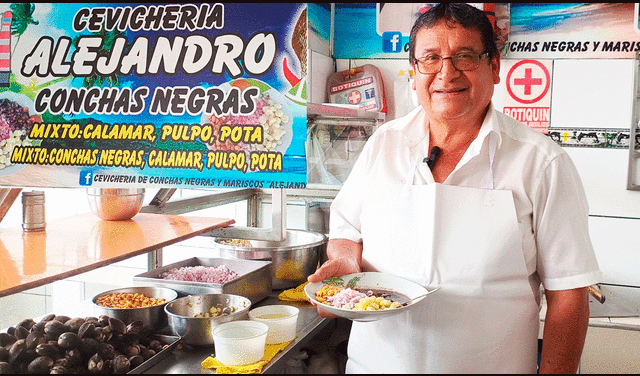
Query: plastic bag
[
  {"x": 405, "y": 98},
  {"x": 332, "y": 150},
  {"x": 318, "y": 150}
]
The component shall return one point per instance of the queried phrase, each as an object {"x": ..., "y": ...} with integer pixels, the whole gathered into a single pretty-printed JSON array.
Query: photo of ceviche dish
[
  {"x": 367, "y": 296},
  {"x": 271, "y": 113},
  {"x": 15, "y": 125}
]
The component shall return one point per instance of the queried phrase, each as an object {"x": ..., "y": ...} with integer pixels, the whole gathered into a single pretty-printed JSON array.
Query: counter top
[
  {"x": 78, "y": 244},
  {"x": 625, "y": 320},
  {"x": 188, "y": 359}
]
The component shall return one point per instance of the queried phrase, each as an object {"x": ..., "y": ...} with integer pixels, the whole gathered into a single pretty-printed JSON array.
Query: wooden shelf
[{"x": 81, "y": 243}]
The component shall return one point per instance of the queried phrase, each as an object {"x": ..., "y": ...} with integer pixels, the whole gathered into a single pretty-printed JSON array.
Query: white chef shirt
[{"x": 550, "y": 202}]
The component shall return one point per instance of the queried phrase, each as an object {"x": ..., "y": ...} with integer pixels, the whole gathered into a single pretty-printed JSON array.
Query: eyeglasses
[{"x": 465, "y": 61}]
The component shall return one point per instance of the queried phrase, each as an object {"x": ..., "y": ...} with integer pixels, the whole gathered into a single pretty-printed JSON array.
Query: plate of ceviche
[{"x": 367, "y": 296}]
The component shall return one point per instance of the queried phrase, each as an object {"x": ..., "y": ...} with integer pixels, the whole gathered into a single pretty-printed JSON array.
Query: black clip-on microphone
[{"x": 431, "y": 160}]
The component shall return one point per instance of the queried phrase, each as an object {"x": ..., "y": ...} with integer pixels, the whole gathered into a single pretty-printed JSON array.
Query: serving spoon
[{"x": 419, "y": 297}]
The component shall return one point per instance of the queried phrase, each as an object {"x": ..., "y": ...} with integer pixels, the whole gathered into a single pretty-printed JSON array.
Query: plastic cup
[
  {"x": 241, "y": 342},
  {"x": 281, "y": 319}
]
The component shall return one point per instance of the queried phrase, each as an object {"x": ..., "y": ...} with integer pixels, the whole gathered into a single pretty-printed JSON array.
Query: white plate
[
  {"x": 277, "y": 97},
  {"x": 377, "y": 281}
]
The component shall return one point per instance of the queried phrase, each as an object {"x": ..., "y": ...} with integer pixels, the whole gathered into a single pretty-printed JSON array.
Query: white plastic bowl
[
  {"x": 238, "y": 343},
  {"x": 282, "y": 321}
]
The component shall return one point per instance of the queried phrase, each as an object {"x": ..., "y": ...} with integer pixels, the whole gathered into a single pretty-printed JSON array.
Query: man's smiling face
[{"x": 450, "y": 94}]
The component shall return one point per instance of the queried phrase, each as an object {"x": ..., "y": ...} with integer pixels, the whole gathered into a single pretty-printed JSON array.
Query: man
[{"x": 501, "y": 211}]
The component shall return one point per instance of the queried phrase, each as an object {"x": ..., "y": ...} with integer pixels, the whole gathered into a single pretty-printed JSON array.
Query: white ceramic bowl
[
  {"x": 281, "y": 319},
  {"x": 238, "y": 343}
]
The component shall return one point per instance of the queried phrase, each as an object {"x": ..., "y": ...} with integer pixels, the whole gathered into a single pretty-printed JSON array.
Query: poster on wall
[
  {"x": 527, "y": 94},
  {"x": 153, "y": 95},
  {"x": 573, "y": 30},
  {"x": 319, "y": 27},
  {"x": 355, "y": 38},
  {"x": 636, "y": 18}
]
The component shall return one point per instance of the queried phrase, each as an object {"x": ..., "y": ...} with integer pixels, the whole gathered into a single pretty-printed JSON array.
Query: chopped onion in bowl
[{"x": 209, "y": 274}]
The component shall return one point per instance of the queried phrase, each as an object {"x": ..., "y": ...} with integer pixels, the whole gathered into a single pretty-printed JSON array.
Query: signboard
[
  {"x": 573, "y": 30},
  {"x": 355, "y": 38},
  {"x": 153, "y": 95},
  {"x": 527, "y": 95},
  {"x": 523, "y": 30}
]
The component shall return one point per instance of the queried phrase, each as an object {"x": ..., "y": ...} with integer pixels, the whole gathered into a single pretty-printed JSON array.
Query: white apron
[{"x": 484, "y": 319}]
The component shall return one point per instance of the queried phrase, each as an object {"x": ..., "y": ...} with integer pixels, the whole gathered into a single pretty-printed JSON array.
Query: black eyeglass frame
[{"x": 442, "y": 59}]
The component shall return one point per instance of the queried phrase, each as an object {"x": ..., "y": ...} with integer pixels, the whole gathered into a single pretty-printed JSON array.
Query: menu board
[
  {"x": 573, "y": 31},
  {"x": 153, "y": 95}
]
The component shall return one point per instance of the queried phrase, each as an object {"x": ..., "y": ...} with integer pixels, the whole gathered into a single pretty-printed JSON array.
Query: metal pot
[
  {"x": 115, "y": 204},
  {"x": 292, "y": 260},
  {"x": 153, "y": 317},
  {"x": 198, "y": 331}
]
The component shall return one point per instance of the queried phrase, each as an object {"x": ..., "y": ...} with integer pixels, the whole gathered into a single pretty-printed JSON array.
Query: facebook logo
[
  {"x": 392, "y": 41},
  {"x": 86, "y": 177}
]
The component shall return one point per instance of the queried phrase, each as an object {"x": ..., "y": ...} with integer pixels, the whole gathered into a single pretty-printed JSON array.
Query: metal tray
[
  {"x": 253, "y": 282},
  {"x": 172, "y": 341}
]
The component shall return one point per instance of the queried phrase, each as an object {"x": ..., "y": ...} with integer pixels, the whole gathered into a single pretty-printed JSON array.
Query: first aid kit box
[{"x": 361, "y": 87}]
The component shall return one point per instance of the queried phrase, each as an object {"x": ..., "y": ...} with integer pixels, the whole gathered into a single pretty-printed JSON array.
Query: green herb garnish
[
  {"x": 352, "y": 283},
  {"x": 336, "y": 281}
]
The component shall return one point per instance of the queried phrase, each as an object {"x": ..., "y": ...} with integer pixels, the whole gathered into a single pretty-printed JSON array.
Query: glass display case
[{"x": 335, "y": 138}]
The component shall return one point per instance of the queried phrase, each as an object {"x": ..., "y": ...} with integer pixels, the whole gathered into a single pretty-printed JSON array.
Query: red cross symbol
[
  {"x": 354, "y": 97},
  {"x": 528, "y": 80}
]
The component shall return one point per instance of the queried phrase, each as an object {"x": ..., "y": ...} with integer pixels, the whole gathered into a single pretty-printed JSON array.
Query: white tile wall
[
  {"x": 320, "y": 68},
  {"x": 595, "y": 93},
  {"x": 15, "y": 308}
]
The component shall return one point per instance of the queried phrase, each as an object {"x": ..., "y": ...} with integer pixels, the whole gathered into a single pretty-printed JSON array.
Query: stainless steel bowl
[
  {"x": 292, "y": 260},
  {"x": 153, "y": 317},
  {"x": 115, "y": 204},
  {"x": 198, "y": 331}
]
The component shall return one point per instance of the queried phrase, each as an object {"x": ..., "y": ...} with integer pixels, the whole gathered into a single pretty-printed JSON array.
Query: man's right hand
[
  {"x": 333, "y": 268},
  {"x": 344, "y": 258}
]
